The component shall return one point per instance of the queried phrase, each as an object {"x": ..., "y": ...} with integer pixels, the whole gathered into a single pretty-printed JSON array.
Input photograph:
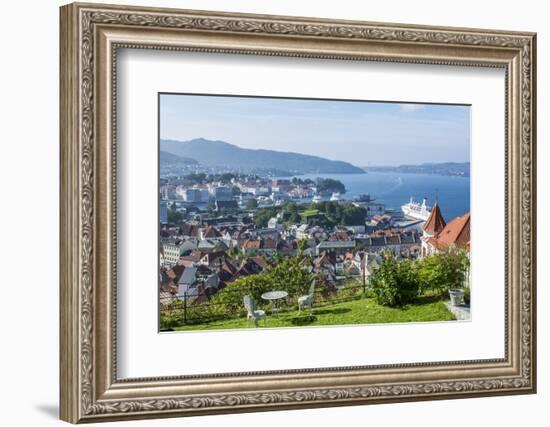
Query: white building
[
  {"x": 172, "y": 250},
  {"x": 373, "y": 208}
]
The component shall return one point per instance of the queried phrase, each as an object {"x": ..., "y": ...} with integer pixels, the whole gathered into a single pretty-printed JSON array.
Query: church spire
[{"x": 435, "y": 222}]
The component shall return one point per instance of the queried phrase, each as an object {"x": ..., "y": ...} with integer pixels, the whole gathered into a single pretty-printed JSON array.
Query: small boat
[
  {"x": 336, "y": 197},
  {"x": 317, "y": 199}
]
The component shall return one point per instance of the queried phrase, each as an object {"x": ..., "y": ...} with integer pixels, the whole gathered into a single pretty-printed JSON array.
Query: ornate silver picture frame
[{"x": 91, "y": 36}]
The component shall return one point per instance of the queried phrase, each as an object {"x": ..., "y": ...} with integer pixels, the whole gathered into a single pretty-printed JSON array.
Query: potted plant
[{"x": 456, "y": 296}]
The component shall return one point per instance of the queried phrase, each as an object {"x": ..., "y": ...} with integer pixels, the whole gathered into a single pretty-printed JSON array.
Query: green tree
[
  {"x": 226, "y": 177},
  {"x": 232, "y": 296},
  {"x": 395, "y": 282},
  {"x": 251, "y": 204},
  {"x": 210, "y": 208},
  {"x": 196, "y": 178},
  {"x": 329, "y": 185},
  {"x": 443, "y": 271},
  {"x": 287, "y": 275},
  {"x": 293, "y": 213},
  {"x": 352, "y": 215},
  {"x": 174, "y": 216},
  {"x": 263, "y": 215},
  {"x": 303, "y": 244}
]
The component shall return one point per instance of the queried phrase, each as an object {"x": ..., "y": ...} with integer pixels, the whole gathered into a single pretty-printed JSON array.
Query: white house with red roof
[{"x": 437, "y": 235}]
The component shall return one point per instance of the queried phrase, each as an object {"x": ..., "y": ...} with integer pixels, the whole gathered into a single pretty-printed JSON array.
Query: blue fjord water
[{"x": 395, "y": 189}]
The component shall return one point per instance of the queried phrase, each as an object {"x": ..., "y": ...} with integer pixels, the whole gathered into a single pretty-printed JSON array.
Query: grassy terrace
[
  {"x": 356, "y": 312},
  {"x": 309, "y": 212}
]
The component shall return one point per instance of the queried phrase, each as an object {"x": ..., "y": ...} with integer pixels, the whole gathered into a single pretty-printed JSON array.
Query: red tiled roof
[{"x": 456, "y": 232}]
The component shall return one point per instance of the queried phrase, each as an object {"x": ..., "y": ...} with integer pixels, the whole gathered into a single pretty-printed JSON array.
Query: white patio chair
[
  {"x": 307, "y": 300},
  {"x": 251, "y": 312}
]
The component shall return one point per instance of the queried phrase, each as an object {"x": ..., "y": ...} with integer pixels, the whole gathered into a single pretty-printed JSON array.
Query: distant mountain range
[
  {"x": 170, "y": 159},
  {"x": 447, "y": 168},
  {"x": 220, "y": 153}
]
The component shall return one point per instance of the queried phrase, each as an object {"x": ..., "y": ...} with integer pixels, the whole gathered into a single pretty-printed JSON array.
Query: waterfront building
[
  {"x": 372, "y": 207},
  {"x": 168, "y": 191},
  {"x": 163, "y": 213},
  {"x": 222, "y": 193},
  {"x": 204, "y": 195},
  {"x": 225, "y": 204},
  {"x": 192, "y": 195}
]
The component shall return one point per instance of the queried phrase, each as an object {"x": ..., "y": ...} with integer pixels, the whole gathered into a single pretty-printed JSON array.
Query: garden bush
[
  {"x": 395, "y": 283},
  {"x": 443, "y": 271}
]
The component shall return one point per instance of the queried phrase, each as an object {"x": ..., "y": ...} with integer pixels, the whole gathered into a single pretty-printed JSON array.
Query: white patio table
[{"x": 274, "y": 297}]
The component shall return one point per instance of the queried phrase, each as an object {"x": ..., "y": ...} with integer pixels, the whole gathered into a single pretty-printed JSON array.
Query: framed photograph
[{"x": 266, "y": 213}]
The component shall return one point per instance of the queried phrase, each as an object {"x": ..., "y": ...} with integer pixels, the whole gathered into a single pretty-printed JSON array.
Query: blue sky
[{"x": 362, "y": 133}]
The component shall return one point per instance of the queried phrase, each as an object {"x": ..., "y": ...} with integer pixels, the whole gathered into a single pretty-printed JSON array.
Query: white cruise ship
[{"x": 416, "y": 210}]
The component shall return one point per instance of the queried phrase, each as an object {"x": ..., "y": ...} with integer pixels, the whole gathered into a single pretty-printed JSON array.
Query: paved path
[{"x": 461, "y": 312}]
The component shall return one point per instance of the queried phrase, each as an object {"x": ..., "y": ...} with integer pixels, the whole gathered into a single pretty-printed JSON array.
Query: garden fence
[{"x": 188, "y": 310}]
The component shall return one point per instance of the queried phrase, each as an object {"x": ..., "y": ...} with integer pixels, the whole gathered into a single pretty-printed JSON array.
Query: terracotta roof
[
  {"x": 323, "y": 260},
  {"x": 251, "y": 244},
  {"x": 229, "y": 266},
  {"x": 210, "y": 232},
  {"x": 340, "y": 235},
  {"x": 175, "y": 272},
  {"x": 435, "y": 222},
  {"x": 456, "y": 232},
  {"x": 261, "y": 262},
  {"x": 191, "y": 230},
  {"x": 268, "y": 244},
  {"x": 169, "y": 289}
]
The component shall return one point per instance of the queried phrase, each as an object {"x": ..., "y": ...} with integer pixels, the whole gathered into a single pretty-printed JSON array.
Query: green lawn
[
  {"x": 309, "y": 212},
  {"x": 357, "y": 312}
]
